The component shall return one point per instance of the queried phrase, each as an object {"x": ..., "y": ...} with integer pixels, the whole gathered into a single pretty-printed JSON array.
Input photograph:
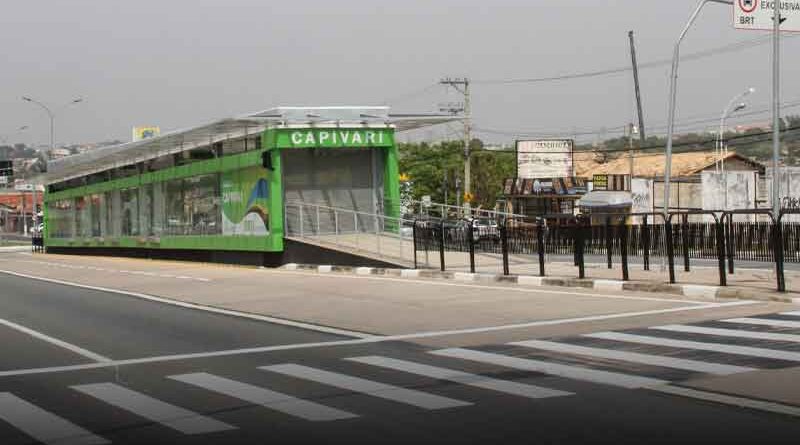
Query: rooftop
[
  {"x": 653, "y": 166},
  {"x": 114, "y": 156}
]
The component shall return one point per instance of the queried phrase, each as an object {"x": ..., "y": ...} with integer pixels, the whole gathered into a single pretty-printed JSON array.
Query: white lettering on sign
[
  {"x": 758, "y": 14},
  {"x": 337, "y": 138}
]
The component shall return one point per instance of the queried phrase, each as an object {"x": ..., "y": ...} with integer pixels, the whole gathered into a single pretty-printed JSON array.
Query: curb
[{"x": 686, "y": 290}]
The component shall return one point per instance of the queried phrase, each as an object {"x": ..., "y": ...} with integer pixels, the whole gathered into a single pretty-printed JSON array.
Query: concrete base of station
[{"x": 294, "y": 252}]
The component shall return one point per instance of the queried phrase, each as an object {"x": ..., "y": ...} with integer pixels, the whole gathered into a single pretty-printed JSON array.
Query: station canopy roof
[{"x": 115, "y": 156}]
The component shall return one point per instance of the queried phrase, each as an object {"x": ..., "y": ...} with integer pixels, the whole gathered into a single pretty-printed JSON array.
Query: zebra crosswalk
[{"x": 629, "y": 359}]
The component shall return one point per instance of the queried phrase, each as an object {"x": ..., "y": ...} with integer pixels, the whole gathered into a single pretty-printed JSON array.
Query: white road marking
[
  {"x": 730, "y": 333},
  {"x": 122, "y": 271},
  {"x": 280, "y": 321},
  {"x": 42, "y": 425},
  {"x": 685, "y": 344},
  {"x": 792, "y": 314},
  {"x": 635, "y": 357},
  {"x": 765, "y": 322},
  {"x": 557, "y": 369},
  {"x": 358, "y": 341},
  {"x": 264, "y": 397},
  {"x": 376, "y": 389},
  {"x": 54, "y": 341},
  {"x": 464, "y": 378},
  {"x": 742, "y": 402},
  {"x": 171, "y": 416}
]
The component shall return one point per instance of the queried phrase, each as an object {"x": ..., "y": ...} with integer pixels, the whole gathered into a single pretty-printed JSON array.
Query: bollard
[
  {"x": 540, "y": 242},
  {"x": 720, "y": 235},
  {"x": 504, "y": 242},
  {"x": 645, "y": 243},
  {"x": 670, "y": 249},
  {"x": 779, "y": 254},
  {"x": 441, "y": 245},
  {"x": 609, "y": 242},
  {"x": 623, "y": 248},
  {"x": 414, "y": 234},
  {"x": 730, "y": 242},
  {"x": 471, "y": 241},
  {"x": 579, "y": 248}
]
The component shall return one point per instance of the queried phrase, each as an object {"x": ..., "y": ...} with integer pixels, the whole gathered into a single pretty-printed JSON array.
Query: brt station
[{"x": 261, "y": 189}]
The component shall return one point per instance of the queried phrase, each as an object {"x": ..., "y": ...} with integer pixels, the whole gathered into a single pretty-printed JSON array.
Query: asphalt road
[{"x": 83, "y": 367}]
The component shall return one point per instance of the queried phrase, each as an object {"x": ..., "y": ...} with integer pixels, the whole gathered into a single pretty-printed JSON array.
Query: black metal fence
[{"x": 680, "y": 240}]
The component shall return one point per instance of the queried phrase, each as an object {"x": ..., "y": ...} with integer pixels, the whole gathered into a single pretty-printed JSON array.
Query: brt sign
[
  {"x": 333, "y": 138},
  {"x": 757, "y": 14}
]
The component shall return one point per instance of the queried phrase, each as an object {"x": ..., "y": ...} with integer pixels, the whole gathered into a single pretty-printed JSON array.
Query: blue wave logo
[{"x": 260, "y": 191}]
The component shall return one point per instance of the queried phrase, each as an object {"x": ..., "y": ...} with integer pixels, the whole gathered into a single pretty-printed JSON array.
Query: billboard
[
  {"x": 140, "y": 133},
  {"x": 545, "y": 159}
]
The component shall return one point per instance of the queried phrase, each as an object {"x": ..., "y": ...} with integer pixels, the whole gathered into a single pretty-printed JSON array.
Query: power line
[{"x": 732, "y": 47}]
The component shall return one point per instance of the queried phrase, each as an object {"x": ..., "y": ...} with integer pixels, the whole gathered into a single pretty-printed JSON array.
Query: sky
[{"x": 179, "y": 63}]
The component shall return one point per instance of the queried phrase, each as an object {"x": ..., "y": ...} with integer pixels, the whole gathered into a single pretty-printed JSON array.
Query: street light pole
[
  {"x": 673, "y": 91},
  {"x": 52, "y": 117},
  {"x": 731, "y": 108}
]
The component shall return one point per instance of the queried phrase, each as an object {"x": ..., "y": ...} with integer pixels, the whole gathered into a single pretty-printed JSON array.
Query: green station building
[{"x": 219, "y": 192}]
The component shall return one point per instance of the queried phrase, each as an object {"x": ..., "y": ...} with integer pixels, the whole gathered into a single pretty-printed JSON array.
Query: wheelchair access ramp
[{"x": 373, "y": 238}]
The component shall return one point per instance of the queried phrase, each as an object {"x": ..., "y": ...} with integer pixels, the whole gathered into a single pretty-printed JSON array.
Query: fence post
[
  {"x": 540, "y": 245},
  {"x": 645, "y": 243},
  {"x": 579, "y": 248},
  {"x": 441, "y": 245},
  {"x": 414, "y": 234},
  {"x": 730, "y": 243},
  {"x": 300, "y": 208},
  {"x": 779, "y": 253},
  {"x": 685, "y": 241},
  {"x": 504, "y": 242},
  {"x": 609, "y": 241},
  {"x": 623, "y": 248},
  {"x": 471, "y": 241},
  {"x": 720, "y": 235},
  {"x": 670, "y": 248}
]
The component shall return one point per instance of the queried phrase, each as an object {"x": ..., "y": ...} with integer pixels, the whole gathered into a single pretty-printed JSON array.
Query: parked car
[{"x": 485, "y": 229}]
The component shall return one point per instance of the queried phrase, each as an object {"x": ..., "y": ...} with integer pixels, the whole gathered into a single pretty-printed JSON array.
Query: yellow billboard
[{"x": 140, "y": 133}]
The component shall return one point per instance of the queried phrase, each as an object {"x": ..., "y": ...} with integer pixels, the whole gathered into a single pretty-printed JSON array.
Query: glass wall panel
[
  {"x": 97, "y": 206},
  {"x": 175, "y": 215},
  {"x": 113, "y": 214},
  {"x": 130, "y": 212},
  {"x": 61, "y": 219},
  {"x": 159, "y": 209},
  {"x": 83, "y": 217},
  {"x": 146, "y": 210},
  {"x": 202, "y": 203}
]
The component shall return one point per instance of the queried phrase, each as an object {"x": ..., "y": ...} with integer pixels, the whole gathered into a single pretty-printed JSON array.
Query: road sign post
[{"x": 757, "y": 14}]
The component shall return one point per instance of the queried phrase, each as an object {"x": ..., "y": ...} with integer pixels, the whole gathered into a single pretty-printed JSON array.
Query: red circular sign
[{"x": 748, "y": 6}]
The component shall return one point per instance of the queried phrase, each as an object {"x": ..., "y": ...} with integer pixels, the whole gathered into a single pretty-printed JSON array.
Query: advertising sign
[
  {"x": 757, "y": 15},
  {"x": 140, "y": 133},
  {"x": 545, "y": 159}
]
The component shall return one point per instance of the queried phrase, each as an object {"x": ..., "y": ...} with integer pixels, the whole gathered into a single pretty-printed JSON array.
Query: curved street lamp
[
  {"x": 735, "y": 105},
  {"x": 51, "y": 115}
]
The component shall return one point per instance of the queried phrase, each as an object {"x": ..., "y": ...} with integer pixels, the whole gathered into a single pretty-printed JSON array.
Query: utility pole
[
  {"x": 776, "y": 110},
  {"x": 462, "y": 86},
  {"x": 631, "y": 131},
  {"x": 642, "y": 136}
]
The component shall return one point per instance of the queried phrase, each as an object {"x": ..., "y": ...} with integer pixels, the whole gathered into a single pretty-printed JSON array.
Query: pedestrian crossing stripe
[
  {"x": 756, "y": 335},
  {"x": 43, "y": 425},
  {"x": 765, "y": 322}
]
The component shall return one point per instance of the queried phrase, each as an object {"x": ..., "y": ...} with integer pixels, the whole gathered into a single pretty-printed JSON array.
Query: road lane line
[
  {"x": 54, "y": 341},
  {"x": 171, "y": 416},
  {"x": 686, "y": 344},
  {"x": 463, "y": 378},
  {"x": 741, "y": 402},
  {"x": 792, "y": 314},
  {"x": 557, "y": 369},
  {"x": 264, "y": 397},
  {"x": 765, "y": 322},
  {"x": 43, "y": 425},
  {"x": 358, "y": 341},
  {"x": 200, "y": 307},
  {"x": 635, "y": 357},
  {"x": 730, "y": 333},
  {"x": 376, "y": 389}
]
